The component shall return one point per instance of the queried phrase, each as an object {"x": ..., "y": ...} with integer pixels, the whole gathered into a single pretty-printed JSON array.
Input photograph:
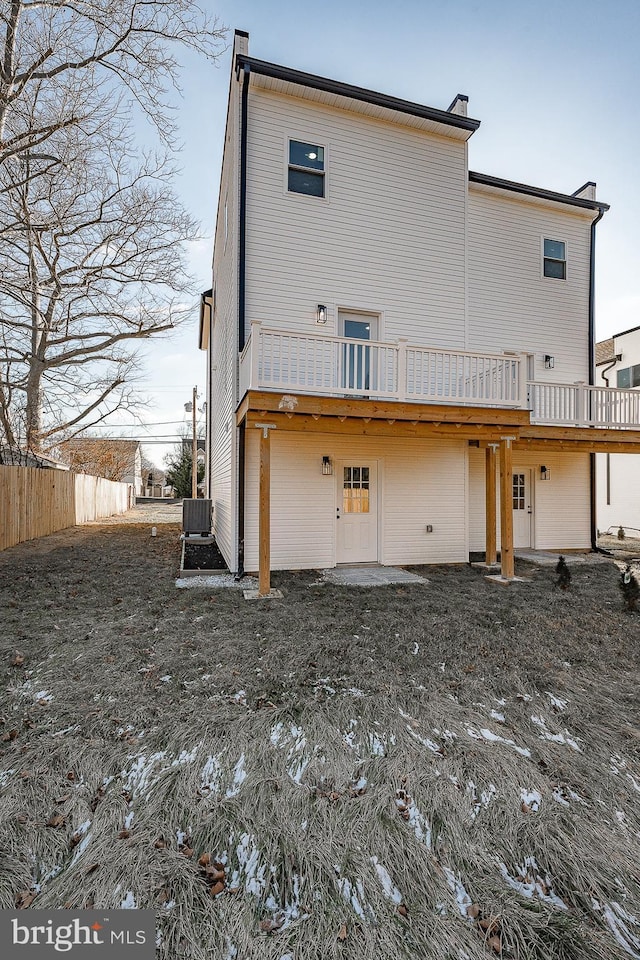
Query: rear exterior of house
[{"x": 383, "y": 328}]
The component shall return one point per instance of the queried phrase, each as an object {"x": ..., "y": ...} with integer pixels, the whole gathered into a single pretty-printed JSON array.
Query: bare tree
[
  {"x": 92, "y": 233},
  {"x": 102, "y": 456}
]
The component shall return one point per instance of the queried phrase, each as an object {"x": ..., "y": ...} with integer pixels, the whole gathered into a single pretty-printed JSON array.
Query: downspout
[
  {"x": 603, "y": 374},
  {"x": 592, "y": 371},
  {"x": 242, "y": 236}
]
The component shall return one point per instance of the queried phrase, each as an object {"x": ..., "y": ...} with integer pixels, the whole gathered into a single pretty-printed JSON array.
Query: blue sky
[{"x": 554, "y": 86}]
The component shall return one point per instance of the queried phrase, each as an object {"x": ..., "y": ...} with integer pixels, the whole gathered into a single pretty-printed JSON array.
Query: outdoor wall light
[
  {"x": 545, "y": 473},
  {"x": 321, "y": 313},
  {"x": 327, "y": 466},
  {"x": 549, "y": 362}
]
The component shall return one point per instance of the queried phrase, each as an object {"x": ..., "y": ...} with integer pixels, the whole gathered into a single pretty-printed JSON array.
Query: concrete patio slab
[
  {"x": 370, "y": 576},
  {"x": 544, "y": 558}
]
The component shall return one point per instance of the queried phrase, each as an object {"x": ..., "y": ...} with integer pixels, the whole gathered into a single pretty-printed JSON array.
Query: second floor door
[{"x": 357, "y": 368}]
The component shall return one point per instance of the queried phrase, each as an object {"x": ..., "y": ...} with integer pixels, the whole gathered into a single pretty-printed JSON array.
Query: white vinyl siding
[
  {"x": 388, "y": 238},
  {"x": 511, "y": 305},
  {"x": 412, "y": 475},
  {"x": 561, "y": 511},
  {"x": 624, "y": 485},
  {"x": 222, "y": 356}
]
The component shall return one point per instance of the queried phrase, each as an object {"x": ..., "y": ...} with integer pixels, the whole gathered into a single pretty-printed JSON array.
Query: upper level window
[
  {"x": 628, "y": 376},
  {"x": 555, "y": 259},
  {"x": 306, "y": 168}
]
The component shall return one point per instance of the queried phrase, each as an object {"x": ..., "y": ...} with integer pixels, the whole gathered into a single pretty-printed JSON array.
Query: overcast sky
[{"x": 555, "y": 87}]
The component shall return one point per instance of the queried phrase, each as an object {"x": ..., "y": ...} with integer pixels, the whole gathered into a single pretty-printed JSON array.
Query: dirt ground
[{"x": 445, "y": 770}]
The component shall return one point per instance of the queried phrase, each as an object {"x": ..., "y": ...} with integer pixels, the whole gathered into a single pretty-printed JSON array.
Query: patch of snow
[
  {"x": 181, "y": 836},
  {"x": 240, "y": 697},
  {"x": 355, "y": 692},
  {"x": 557, "y": 702},
  {"x": 128, "y": 820},
  {"x": 294, "y": 739},
  {"x": 563, "y": 738},
  {"x": 563, "y": 795},
  {"x": 532, "y": 798},
  {"x": 81, "y": 831},
  {"x": 620, "y": 922},
  {"x": 129, "y": 902},
  {"x": 185, "y": 756},
  {"x": 491, "y": 737},
  {"x": 416, "y": 648},
  {"x": 360, "y": 784},
  {"x": 497, "y": 716},
  {"x": 239, "y": 776},
  {"x": 354, "y": 895},
  {"x": 166, "y": 678},
  {"x": 500, "y": 701},
  {"x": 231, "y": 951},
  {"x": 482, "y": 801},
  {"x": 376, "y": 746},
  {"x": 210, "y": 774},
  {"x": 249, "y": 867},
  {"x": 463, "y": 900},
  {"x": 529, "y": 883},
  {"x": 43, "y": 696},
  {"x": 388, "y": 888},
  {"x": 5, "y": 776}
]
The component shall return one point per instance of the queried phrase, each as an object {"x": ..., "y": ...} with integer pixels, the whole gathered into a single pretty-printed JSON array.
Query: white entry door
[
  {"x": 357, "y": 511},
  {"x": 522, "y": 508}
]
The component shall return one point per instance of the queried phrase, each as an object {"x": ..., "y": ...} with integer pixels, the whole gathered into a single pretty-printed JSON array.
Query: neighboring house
[
  {"x": 114, "y": 459},
  {"x": 618, "y": 475},
  {"x": 15, "y": 457},
  {"x": 384, "y": 328}
]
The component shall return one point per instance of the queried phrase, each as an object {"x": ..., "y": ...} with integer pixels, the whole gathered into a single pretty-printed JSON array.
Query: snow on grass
[
  {"x": 619, "y": 765},
  {"x": 283, "y": 916},
  {"x": 145, "y": 770},
  {"x": 531, "y": 798},
  {"x": 83, "y": 834},
  {"x": 490, "y": 737},
  {"x": 530, "y": 883},
  {"x": 210, "y": 774},
  {"x": 294, "y": 740},
  {"x": 239, "y": 776},
  {"x": 556, "y": 702},
  {"x": 390, "y": 891},
  {"x": 545, "y": 734},
  {"x": 624, "y": 926},
  {"x": 353, "y": 893},
  {"x": 231, "y": 951},
  {"x": 480, "y": 801},
  {"x": 414, "y": 817},
  {"x": 496, "y": 715},
  {"x": 251, "y": 873},
  {"x": 129, "y": 901},
  {"x": 371, "y": 745},
  {"x": 564, "y": 796},
  {"x": 463, "y": 900}
]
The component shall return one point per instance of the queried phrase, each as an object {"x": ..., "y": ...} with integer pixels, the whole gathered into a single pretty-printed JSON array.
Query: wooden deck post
[
  {"x": 490, "y": 504},
  {"x": 264, "y": 517},
  {"x": 506, "y": 508}
]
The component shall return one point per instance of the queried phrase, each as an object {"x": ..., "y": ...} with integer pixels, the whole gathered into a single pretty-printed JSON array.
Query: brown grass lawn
[{"x": 449, "y": 770}]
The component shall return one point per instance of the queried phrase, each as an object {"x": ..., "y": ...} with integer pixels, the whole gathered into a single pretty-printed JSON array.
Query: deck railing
[
  {"x": 582, "y": 405},
  {"x": 315, "y": 363},
  {"x": 339, "y": 366}
]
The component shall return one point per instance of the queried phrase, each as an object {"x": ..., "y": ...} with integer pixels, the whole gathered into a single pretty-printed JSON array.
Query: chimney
[
  {"x": 586, "y": 192},
  {"x": 459, "y": 105}
]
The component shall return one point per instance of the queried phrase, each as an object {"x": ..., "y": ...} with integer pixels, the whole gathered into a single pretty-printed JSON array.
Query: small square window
[
  {"x": 555, "y": 259},
  {"x": 306, "y": 168}
]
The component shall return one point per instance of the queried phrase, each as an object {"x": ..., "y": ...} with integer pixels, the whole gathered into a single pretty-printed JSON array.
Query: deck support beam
[
  {"x": 264, "y": 515},
  {"x": 490, "y": 504},
  {"x": 506, "y": 508}
]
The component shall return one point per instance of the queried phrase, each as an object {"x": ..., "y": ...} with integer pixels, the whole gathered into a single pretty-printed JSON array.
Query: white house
[
  {"x": 385, "y": 327},
  {"x": 618, "y": 476}
]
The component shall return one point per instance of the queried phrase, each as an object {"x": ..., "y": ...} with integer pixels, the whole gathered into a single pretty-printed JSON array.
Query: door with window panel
[
  {"x": 358, "y": 370},
  {"x": 356, "y": 512},
  {"x": 522, "y": 508}
]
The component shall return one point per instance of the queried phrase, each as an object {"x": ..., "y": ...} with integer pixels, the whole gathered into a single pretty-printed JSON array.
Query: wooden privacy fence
[{"x": 35, "y": 502}]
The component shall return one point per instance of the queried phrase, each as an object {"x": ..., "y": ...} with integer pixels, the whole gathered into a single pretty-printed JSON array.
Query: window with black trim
[
  {"x": 555, "y": 259},
  {"x": 306, "y": 168}
]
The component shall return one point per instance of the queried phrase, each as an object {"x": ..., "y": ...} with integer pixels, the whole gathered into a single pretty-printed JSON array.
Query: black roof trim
[
  {"x": 339, "y": 89},
  {"x": 489, "y": 181},
  {"x": 240, "y": 33}
]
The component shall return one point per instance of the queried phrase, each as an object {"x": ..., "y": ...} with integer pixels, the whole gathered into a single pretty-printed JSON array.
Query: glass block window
[
  {"x": 555, "y": 259},
  {"x": 355, "y": 493},
  {"x": 306, "y": 168}
]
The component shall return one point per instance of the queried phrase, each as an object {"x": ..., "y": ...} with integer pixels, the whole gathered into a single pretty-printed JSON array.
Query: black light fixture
[
  {"x": 327, "y": 466},
  {"x": 321, "y": 313},
  {"x": 545, "y": 473},
  {"x": 549, "y": 361}
]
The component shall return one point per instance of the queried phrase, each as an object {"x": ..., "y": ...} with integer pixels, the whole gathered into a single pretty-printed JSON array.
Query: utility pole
[{"x": 194, "y": 450}]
